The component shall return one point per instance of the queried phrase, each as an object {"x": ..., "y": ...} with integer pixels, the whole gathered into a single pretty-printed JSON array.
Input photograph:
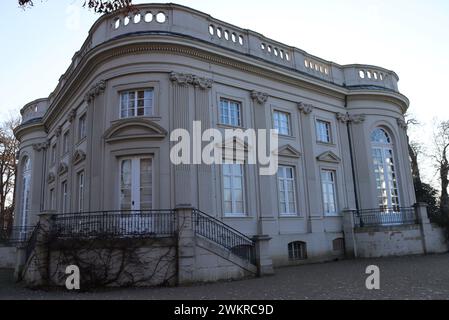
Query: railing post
[
  {"x": 264, "y": 262},
  {"x": 37, "y": 273},
  {"x": 186, "y": 244},
  {"x": 348, "y": 230}
]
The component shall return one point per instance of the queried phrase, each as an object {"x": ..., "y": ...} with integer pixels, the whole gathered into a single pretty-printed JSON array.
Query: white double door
[{"x": 136, "y": 193}]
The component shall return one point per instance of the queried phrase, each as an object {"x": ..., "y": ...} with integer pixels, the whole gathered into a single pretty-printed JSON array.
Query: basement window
[{"x": 297, "y": 251}]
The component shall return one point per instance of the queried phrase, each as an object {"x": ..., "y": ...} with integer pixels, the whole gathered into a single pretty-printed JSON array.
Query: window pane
[{"x": 233, "y": 194}]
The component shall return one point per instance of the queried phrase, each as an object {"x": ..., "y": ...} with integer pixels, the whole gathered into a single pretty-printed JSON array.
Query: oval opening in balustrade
[
  {"x": 126, "y": 21},
  {"x": 211, "y": 30},
  {"x": 137, "y": 18},
  {"x": 148, "y": 17},
  {"x": 117, "y": 23},
  {"x": 226, "y": 34},
  {"x": 262, "y": 46},
  {"x": 161, "y": 17},
  {"x": 241, "y": 40},
  {"x": 234, "y": 37},
  {"x": 362, "y": 74},
  {"x": 219, "y": 32}
]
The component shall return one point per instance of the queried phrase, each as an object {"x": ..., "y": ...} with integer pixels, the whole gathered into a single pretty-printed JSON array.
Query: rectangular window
[
  {"x": 65, "y": 199},
  {"x": 230, "y": 113},
  {"x": 53, "y": 154},
  {"x": 281, "y": 122},
  {"x": 52, "y": 199},
  {"x": 233, "y": 191},
  {"x": 323, "y": 131},
  {"x": 65, "y": 142},
  {"x": 82, "y": 127},
  {"x": 329, "y": 192},
  {"x": 297, "y": 250},
  {"x": 81, "y": 191},
  {"x": 137, "y": 103},
  {"x": 287, "y": 193}
]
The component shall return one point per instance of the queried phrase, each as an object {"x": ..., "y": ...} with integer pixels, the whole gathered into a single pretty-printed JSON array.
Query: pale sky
[{"x": 410, "y": 37}]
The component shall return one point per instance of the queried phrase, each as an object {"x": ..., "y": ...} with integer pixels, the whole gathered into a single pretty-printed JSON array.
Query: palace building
[{"x": 99, "y": 144}]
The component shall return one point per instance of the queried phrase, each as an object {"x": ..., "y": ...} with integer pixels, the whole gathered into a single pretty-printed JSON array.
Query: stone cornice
[{"x": 104, "y": 52}]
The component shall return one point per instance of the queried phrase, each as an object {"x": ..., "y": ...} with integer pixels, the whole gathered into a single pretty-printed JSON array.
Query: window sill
[
  {"x": 336, "y": 215},
  {"x": 328, "y": 144},
  {"x": 152, "y": 118},
  {"x": 286, "y": 136},
  {"x": 237, "y": 216},
  {"x": 228, "y": 126},
  {"x": 291, "y": 216}
]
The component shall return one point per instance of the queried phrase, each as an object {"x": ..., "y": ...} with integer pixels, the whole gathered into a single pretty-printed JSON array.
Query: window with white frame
[
  {"x": 323, "y": 131},
  {"x": 137, "y": 103},
  {"x": 230, "y": 112},
  {"x": 286, "y": 190},
  {"x": 329, "y": 192},
  {"x": 81, "y": 191},
  {"x": 65, "y": 142},
  {"x": 233, "y": 191},
  {"x": 65, "y": 197},
  {"x": 82, "y": 127},
  {"x": 281, "y": 122}
]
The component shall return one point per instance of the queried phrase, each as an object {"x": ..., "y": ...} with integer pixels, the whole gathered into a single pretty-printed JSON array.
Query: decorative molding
[
  {"x": 202, "y": 83},
  {"x": 185, "y": 79},
  {"x": 58, "y": 131},
  {"x": 305, "y": 108},
  {"x": 259, "y": 97},
  {"x": 234, "y": 143},
  {"x": 354, "y": 118},
  {"x": 71, "y": 116},
  {"x": 287, "y": 151},
  {"x": 182, "y": 79},
  {"x": 329, "y": 156},
  {"x": 40, "y": 146},
  {"x": 358, "y": 118},
  {"x": 63, "y": 168},
  {"x": 402, "y": 124},
  {"x": 51, "y": 177},
  {"x": 78, "y": 156},
  {"x": 95, "y": 91},
  {"x": 148, "y": 128}
]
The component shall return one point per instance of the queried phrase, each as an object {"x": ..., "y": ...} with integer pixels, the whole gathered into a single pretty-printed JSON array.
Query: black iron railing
[
  {"x": 385, "y": 217},
  {"x": 146, "y": 223},
  {"x": 223, "y": 235},
  {"x": 15, "y": 235}
]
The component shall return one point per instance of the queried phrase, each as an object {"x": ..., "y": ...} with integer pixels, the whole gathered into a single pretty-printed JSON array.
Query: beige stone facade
[{"x": 75, "y": 143}]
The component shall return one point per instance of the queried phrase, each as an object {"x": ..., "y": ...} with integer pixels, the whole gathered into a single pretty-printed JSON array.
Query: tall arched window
[
  {"x": 384, "y": 170},
  {"x": 26, "y": 190}
]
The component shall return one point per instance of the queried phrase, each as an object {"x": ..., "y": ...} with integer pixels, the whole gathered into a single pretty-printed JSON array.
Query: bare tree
[
  {"x": 8, "y": 167},
  {"x": 414, "y": 151},
  {"x": 440, "y": 156},
  {"x": 99, "y": 6}
]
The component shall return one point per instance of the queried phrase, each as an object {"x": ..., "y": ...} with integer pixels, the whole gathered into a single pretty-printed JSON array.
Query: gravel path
[{"x": 414, "y": 277}]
